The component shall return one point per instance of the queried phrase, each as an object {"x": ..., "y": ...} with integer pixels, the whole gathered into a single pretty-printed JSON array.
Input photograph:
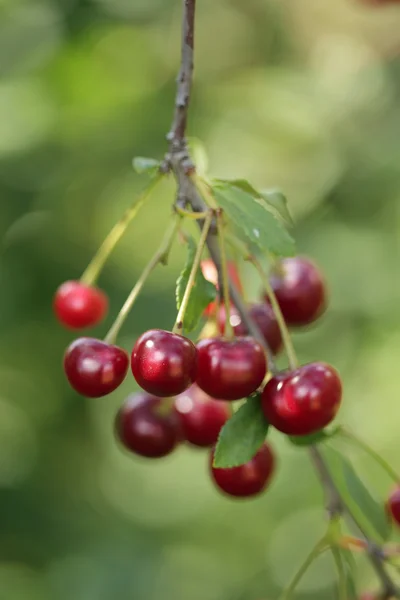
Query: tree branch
[{"x": 179, "y": 162}]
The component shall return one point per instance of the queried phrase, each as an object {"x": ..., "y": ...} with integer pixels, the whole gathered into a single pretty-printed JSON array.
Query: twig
[{"x": 179, "y": 161}]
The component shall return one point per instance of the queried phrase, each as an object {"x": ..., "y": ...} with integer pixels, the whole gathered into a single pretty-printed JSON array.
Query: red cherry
[
  {"x": 393, "y": 505},
  {"x": 146, "y": 426},
  {"x": 230, "y": 369},
  {"x": 164, "y": 363},
  {"x": 202, "y": 417},
  {"x": 210, "y": 273},
  {"x": 300, "y": 290},
  {"x": 95, "y": 368},
  {"x": 249, "y": 479},
  {"x": 303, "y": 401},
  {"x": 77, "y": 305},
  {"x": 264, "y": 317}
]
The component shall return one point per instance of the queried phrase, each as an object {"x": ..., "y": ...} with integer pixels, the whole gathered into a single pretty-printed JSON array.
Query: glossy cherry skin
[
  {"x": 211, "y": 274},
  {"x": 230, "y": 369},
  {"x": 147, "y": 427},
  {"x": 95, "y": 368},
  {"x": 77, "y": 305},
  {"x": 249, "y": 479},
  {"x": 300, "y": 290},
  {"x": 303, "y": 401},
  {"x": 393, "y": 505},
  {"x": 164, "y": 363},
  {"x": 201, "y": 416},
  {"x": 265, "y": 319}
]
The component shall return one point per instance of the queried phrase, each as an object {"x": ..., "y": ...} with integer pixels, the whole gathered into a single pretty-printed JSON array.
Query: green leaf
[
  {"x": 367, "y": 512},
  {"x": 313, "y": 438},
  {"x": 256, "y": 223},
  {"x": 146, "y": 165},
  {"x": 242, "y": 184},
  {"x": 242, "y": 436},
  {"x": 203, "y": 292},
  {"x": 278, "y": 202}
]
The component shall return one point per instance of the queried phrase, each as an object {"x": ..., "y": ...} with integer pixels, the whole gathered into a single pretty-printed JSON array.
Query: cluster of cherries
[{"x": 187, "y": 388}]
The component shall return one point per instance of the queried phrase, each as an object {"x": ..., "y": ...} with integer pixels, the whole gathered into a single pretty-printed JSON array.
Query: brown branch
[{"x": 179, "y": 162}]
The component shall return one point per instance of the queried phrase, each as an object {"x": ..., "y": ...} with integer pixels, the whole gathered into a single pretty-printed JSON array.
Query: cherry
[
  {"x": 164, "y": 363},
  {"x": 263, "y": 316},
  {"x": 393, "y": 505},
  {"x": 95, "y": 368},
  {"x": 210, "y": 273},
  {"x": 147, "y": 426},
  {"x": 230, "y": 369},
  {"x": 249, "y": 479},
  {"x": 202, "y": 417},
  {"x": 78, "y": 305},
  {"x": 299, "y": 289},
  {"x": 302, "y": 401}
]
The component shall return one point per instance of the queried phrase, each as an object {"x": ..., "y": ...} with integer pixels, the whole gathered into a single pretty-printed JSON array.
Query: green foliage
[
  {"x": 278, "y": 202},
  {"x": 242, "y": 436},
  {"x": 251, "y": 216},
  {"x": 367, "y": 512},
  {"x": 150, "y": 166},
  {"x": 203, "y": 292}
]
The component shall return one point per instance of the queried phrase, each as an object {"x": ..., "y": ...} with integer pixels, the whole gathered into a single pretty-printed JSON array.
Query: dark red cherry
[
  {"x": 210, "y": 273},
  {"x": 164, "y": 363},
  {"x": 299, "y": 289},
  {"x": 303, "y": 401},
  {"x": 95, "y": 368},
  {"x": 147, "y": 425},
  {"x": 77, "y": 305},
  {"x": 230, "y": 369},
  {"x": 265, "y": 319},
  {"x": 249, "y": 479},
  {"x": 393, "y": 505},
  {"x": 201, "y": 416}
]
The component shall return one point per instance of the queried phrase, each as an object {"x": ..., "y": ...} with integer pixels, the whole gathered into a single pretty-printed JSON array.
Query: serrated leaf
[
  {"x": 242, "y": 184},
  {"x": 313, "y": 438},
  {"x": 278, "y": 201},
  {"x": 145, "y": 165},
  {"x": 366, "y": 511},
  {"x": 203, "y": 292},
  {"x": 256, "y": 223},
  {"x": 242, "y": 436}
]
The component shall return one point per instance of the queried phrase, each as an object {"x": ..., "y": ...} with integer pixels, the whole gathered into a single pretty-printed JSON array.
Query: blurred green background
[{"x": 303, "y": 95}]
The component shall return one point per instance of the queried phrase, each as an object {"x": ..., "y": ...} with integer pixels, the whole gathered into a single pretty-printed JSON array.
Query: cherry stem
[
  {"x": 159, "y": 257},
  {"x": 351, "y": 437},
  {"x": 355, "y": 544},
  {"x": 178, "y": 327},
  {"x": 95, "y": 266},
  {"x": 188, "y": 214},
  {"x": 341, "y": 573},
  {"x": 205, "y": 191},
  {"x": 320, "y": 547},
  {"x": 225, "y": 278}
]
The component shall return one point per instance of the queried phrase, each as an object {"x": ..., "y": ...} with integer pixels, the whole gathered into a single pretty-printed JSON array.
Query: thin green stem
[
  {"x": 372, "y": 453},
  {"x": 225, "y": 277},
  {"x": 341, "y": 573},
  {"x": 178, "y": 327},
  {"x": 204, "y": 190},
  {"x": 188, "y": 214},
  {"x": 318, "y": 548},
  {"x": 159, "y": 257},
  {"x": 95, "y": 266}
]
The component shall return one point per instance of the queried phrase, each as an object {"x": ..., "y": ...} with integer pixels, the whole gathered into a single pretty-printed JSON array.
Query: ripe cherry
[
  {"x": 210, "y": 273},
  {"x": 263, "y": 316},
  {"x": 299, "y": 289},
  {"x": 230, "y": 369},
  {"x": 201, "y": 416},
  {"x": 77, "y": 305},
  {"x": 164, "y": 363},
  {"x": 393, "y": 505},
  {"x": 148, "y": 426},
  {"x": 95, "y": 368},
  {"x": 303, "y": 401},
  {"x": 249, "y": 479}
]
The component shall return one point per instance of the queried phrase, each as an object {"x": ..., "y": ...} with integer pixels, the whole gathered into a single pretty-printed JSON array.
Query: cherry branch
[{"x": 179, "y": 162}]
